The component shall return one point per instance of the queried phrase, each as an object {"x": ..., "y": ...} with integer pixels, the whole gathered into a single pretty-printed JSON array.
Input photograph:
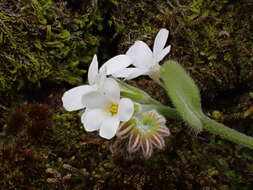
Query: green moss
[
  {"x": 39, "y": 42},
  {"x": 45, "y": 41},
  {"x": 212, "y": 39}
]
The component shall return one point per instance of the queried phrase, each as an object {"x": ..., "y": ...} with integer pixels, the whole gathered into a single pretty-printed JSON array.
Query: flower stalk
[
  {"x": 148, "y": 102},
  {"x": 136, "y": 94},
  {"x": 166, "y": 111},
  {"x": 227, "y": 133},
  {"x": 209, "y": 125}
]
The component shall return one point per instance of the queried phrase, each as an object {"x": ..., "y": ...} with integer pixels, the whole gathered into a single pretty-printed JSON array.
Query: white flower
[
  {"x": 72, "y": 99},
  {"x": 104, "y": 111},
  {"x": 145, "y": 61}
]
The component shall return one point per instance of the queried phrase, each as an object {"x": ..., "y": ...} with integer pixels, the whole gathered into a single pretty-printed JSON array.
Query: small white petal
[
  {"x": 111, "y": 89},
  {"x": 116, "y": 64},
  {"x": 93, "y": 71},
  {"x": 92, "y": 119},
  {"x": 162, "y": 54},
  {"x": 160, "y": 41},
  {"x": 138, "y": 73},
  {"x": 101, "y": 78},
  {"x": 130, "y": 73},
  {"x": 141, "y": 54},
  {"x": 94, "y": 100},
  {"x": 125, "y": 72},
  {"x": 126, "y": 109},
  {"x": 109, "y": 127},
  {"x": 72, "y": 99}
]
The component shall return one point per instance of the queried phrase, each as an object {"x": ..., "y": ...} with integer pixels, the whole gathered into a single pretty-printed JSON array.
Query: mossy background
[{"x": 46, "y": 47}]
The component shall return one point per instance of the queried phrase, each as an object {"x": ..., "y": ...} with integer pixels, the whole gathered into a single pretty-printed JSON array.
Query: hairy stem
[
  {"x": 227, "y": 133},
  {"x": 147, "y": 101},
  {"x": 136, "y": 94},
  {"x": 166, "y": 111}
]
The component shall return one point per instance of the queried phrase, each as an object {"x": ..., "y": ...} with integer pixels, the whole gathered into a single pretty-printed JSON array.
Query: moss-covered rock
[
  {"x": 50, "y": 42},
  {"x": 70, "y": 158},
  {"x": 212, "y": 39},
  {"x": 45, "y": 41}
]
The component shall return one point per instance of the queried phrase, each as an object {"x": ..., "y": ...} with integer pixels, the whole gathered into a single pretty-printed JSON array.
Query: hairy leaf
[{"x": 183, "y": 93}]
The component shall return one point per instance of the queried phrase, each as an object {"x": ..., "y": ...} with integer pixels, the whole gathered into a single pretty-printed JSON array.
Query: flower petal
[
  {"x": 126, "y": 109},
  {"x": 162, "y": 54},
  {"x": 116, "y": 64},
  {"x": 92, "y": 119},
  {"x": 141, "y": 55},
  {"x": 160, "y": 41},
  {"x": 125, "y": 72},
  {"x": 130, "y": 73},
  {"x": 109, "y": 127},
  {"x": 95, "y": 100},
  {"x": 93, "y": 71},
  {"x": 101, "y": 77},
  {"x": 111, "y": 89},
  {"x": 138, "y": 73},
  {"x": 72, "y": 99}
]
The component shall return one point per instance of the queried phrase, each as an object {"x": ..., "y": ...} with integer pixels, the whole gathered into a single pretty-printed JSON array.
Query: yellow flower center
[{"x": 113, "y": 108}]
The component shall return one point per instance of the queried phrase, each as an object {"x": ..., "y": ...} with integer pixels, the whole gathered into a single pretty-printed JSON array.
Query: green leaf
[{"x": 183, "y": 93}]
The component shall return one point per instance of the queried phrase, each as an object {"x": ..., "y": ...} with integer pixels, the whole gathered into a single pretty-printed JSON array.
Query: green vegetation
[
  {"x": 184, "y": 94},
  {"x": 212, "y": 39},
  {"x": 42, "y": 42}
]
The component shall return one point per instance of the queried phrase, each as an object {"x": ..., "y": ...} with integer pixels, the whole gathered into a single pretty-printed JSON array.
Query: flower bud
[{"x": 144, "y": 132}]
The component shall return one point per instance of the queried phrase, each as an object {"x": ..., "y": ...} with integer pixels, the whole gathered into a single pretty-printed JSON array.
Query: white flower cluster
[
  {"x": 144, "y": 61},
  {"x": 104, "y": 109}
]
